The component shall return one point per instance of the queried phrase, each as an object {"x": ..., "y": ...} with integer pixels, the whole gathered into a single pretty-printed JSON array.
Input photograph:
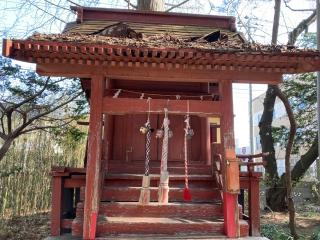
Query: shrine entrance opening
[{"x": 129, "y": 143}]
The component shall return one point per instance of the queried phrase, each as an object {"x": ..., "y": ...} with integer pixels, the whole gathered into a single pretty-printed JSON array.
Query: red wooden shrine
[{"x": 188, "y": 68}]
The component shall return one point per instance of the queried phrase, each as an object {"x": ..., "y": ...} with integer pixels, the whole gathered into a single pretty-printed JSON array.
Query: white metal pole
[
  {"x": 251, "y": 119},
  {"x": 318, "y": 87}
]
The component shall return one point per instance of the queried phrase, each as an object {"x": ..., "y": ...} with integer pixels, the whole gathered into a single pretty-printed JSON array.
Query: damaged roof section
[{"x": 130, "y": 38}]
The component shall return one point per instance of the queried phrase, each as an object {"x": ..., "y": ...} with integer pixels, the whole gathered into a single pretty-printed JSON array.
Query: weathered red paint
[
  {"x": 230, "y": 166},
  {"x": 94, "y": 217},
  {"x": 231, "y": 215},
  {"x": 87, "y": 14},
  {"x": 56, "y": 206},
  {"x": 94, "y": 156},
  {"x": 250, "y": 180}
]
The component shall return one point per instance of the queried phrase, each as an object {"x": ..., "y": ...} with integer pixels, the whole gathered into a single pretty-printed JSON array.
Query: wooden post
[
  {"x": 231, "y": 166},
  {"x": 94, "y": 156},
  {"x": 208, "y": 142},
  {"x": 254, "y": 204},
  {"x": 56, "y": 205}
]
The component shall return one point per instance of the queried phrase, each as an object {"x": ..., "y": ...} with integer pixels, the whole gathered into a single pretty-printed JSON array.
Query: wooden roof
[
  {"x": 148, "y": 29},
  {"x": 182, "y": 56},
  {"x": 85, "y": 14}
]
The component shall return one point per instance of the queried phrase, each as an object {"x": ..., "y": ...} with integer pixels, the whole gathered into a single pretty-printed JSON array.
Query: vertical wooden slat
[
  {"x": 56, "y": 207},
  {"x": 208, "y": 142},
  {"x": 93, "y": 175},
  {"x": 231, "y": 181},
  {"x": 254, "y": 206}
]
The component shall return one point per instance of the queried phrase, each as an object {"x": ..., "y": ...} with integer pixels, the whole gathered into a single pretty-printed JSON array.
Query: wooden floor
[{"x": 145, "y": 237}]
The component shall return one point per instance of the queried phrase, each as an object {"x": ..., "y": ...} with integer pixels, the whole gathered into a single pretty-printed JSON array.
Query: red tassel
[{"x": 186, "y": 195}]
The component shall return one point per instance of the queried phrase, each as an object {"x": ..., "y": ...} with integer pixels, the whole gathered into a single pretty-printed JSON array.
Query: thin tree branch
[
  {"x": 177, "y": 5},
  {"x": 130, "y": 4},
  {"x": 58, "y": 6},
  {"x": 15, "y": 106},
  {"x": 31, "y": 3},
  {"x": 45, "y": 127},
  {"x": 297, "y": 10},
  {"x": 302, "y": 26},
  {"x": 23, "y": 126},
  {"x": 3, "y": 136},
  {"x": 74, "y": 3}
]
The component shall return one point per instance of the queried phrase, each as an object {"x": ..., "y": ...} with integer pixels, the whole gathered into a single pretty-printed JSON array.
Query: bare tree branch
[
  {"x": 32, "y": 97},
  {"x": 302, "y": 26},
  {"x": 177, "y": 5},
  {"x": 45, "y": 127},
  {"x": 130, "y": 4},
  {"x": 297, "y": 10},
  {"x": 31, "y": 120},
  {"x": 55, "y": 17},
  {"x": 74, "y": 3},
  {"x": 58, "y": 6}
]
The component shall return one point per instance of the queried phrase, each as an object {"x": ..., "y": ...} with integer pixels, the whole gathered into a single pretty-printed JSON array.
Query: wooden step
[
  {"x": 132, "y": 194},
  {"x": 134, "y": 209},
  {"x": 139, "y": 169},
  {"x": 164, "y": 237},
  {"x": 146, "y": 225},
  {"x": 175, "y": 180}
]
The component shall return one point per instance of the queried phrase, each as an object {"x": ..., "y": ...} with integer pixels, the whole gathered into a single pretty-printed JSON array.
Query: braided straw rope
[
  {"x": 187, "y": 121},
  {"x": 148, "y": 148},
  {"x": 164, "y": 154},
  {"x": 163, "y": 194}
]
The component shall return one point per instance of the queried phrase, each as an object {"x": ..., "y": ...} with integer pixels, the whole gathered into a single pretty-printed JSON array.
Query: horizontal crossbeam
[{"x": 119, "y": 106}]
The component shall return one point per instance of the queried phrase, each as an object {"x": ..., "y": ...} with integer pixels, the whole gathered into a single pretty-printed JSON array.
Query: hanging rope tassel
[
  {"x": 163, "y": 193},
  {"x": 145, "y": 190},
  {"x": 187, "y": 134}
]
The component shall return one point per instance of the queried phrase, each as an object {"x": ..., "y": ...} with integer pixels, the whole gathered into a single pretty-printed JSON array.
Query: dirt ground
[
  {"x": 37, "y": 226},
  {"x": 32, "y": 227},
  {"x": 307, "y": 220}
]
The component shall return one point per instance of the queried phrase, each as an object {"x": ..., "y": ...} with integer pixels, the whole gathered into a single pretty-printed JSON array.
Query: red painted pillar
[
  {"x": 56, "y": 205},
  {"x": 94, "y": 156},
  {"x": 230, "y": 165},
  {"x": 254, "y": 206}
]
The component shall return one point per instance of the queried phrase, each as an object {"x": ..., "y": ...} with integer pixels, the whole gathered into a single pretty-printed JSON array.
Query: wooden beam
[
  {"x": 6, "y": 47},
  {"x": 94, "y": 155},
  {"x": 157, "y": 73},
  {"x": 56, "y": 205},
  {"x": 231, "y": 181},
  {"x": 89, "y": 13},
  {"x": 119, "y": 106}
]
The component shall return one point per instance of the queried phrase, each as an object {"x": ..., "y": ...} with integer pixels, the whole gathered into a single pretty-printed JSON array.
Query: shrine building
[{"x": 160, "y": 157}]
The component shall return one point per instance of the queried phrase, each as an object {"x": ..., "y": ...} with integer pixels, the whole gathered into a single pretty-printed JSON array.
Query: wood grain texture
[
  {"x": 230, "y": 167},
  {"x": 94, "y": 156}
]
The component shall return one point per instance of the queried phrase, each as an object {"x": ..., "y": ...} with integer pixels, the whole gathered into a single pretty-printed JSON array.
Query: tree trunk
[
  {"x": 266, "y": 139},
  {"x": 273, "y": 196},
  {"x": 151, "y": 5},
  {"x": 293, "y": 128},
  {"x": 276, "y": 195},
  {"x": 5, "y": 147}
]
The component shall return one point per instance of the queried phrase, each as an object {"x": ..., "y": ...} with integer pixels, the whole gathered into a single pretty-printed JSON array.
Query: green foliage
[
  {"x": 301, "y": 92},
  {"x": 316, "y": 235},
  {"x": 7, "y": 172},
  {"x": 70, "y": 135},
  {"x": 29, "y": 102},
  {"x": 274, "y": 232}
]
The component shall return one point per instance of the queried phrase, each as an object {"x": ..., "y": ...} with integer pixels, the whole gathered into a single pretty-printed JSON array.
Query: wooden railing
[
  {"x": 66, "y": 184},
  {"x": 249, "y": 181}
]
